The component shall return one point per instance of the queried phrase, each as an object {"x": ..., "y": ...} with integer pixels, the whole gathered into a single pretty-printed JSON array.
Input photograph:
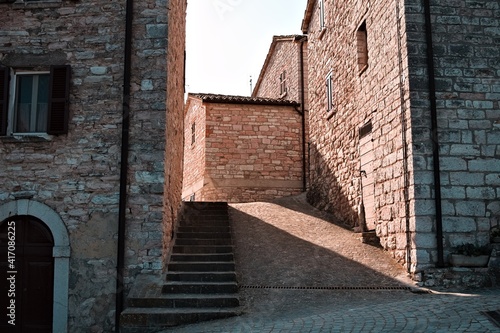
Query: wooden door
[
  {"x": 367, "y": 179},
  {"x": 31, "y": 268}
]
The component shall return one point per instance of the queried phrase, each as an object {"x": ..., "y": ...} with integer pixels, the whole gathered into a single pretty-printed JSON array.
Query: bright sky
[{"x": 228, "y": 40}]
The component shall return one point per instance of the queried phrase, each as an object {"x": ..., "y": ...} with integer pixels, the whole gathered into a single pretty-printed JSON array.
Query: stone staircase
[{"x": 200, "y": 282}]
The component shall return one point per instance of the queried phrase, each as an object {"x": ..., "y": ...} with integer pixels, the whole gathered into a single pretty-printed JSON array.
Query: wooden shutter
[
  {"x": 57, "y": 122},
  {"x": 4, "y": 99}
]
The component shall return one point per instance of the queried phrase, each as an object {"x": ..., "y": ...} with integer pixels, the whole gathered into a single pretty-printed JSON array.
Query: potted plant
[
  {"x": 495, "y": 234},
  {"x": 470, "y": 255}
]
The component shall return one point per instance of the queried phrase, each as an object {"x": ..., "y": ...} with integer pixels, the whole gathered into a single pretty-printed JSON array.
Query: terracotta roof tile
[{"x": 229, "y": 99}]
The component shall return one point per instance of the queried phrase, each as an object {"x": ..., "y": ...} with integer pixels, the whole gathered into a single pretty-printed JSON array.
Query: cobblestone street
[{"x": 300, "y": 272}]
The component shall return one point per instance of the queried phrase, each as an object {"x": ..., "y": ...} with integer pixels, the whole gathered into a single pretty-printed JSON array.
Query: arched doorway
[{"x": 26, "y": 275}]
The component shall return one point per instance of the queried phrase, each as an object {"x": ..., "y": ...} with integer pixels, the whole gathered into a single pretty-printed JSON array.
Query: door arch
[
  {"x": 26, "y": 275},
  {"x": 60, "y": 252}
]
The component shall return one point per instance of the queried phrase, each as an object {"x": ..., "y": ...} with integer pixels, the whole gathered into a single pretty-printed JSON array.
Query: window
[
  {"x": 193, "y": 133},
  {"x": 283, "y": 89},
  {"x": 329, "y": 93},
  {"x": 321, "y": 14},
  {"x": 34, "y": 101},
  {"x": 362, "y": 44}
]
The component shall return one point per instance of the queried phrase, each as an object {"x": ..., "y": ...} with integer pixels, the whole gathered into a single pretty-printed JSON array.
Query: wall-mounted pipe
[
  {"x": 127, "y": 70},
  {"x": 434, "y": 133},
  {"x": 302, "y": 40}
]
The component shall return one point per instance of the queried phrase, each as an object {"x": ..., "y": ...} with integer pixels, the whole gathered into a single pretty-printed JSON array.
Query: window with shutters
[{"x": 34, "y": 102}]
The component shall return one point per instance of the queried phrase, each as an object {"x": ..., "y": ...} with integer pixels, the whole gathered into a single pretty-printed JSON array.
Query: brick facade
[
  {"x": 77, "y": 175},
  {"x": 284, "y": 56},
  {"x": 250, "y": 149},
  {"x": 390, "y": 95}
]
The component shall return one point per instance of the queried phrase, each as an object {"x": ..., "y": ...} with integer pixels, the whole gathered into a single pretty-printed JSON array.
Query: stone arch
[{"x": 61, "y": 252}]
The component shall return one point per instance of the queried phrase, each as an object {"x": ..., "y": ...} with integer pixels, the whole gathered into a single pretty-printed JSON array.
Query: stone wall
[
  {"x": 77, "y": 174},
  {"x": 465, "y": 46},
  {"x": 360, "y": 96}
]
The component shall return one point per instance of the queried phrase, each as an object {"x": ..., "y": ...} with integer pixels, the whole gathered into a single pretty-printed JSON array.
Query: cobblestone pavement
[{"x": 300, "y": 271}]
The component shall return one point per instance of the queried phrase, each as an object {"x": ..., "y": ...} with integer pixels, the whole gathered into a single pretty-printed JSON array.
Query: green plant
[{"x": 472, "y": 250}]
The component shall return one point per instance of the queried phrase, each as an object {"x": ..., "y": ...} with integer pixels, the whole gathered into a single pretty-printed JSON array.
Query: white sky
[{"x": 228, "y": 40}]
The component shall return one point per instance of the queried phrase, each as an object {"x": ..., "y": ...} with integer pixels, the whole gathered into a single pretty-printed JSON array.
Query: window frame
[
  {"x": 193, "y": 133},
  {"x": 283, "y": 87},
  {"x": 362, "y": 47},
  {"x": 322, "y": 24},
  {"x": 12, "y": 112},
  {"x": 330, "y": 103},
  {"x": 58, "y": 100}
]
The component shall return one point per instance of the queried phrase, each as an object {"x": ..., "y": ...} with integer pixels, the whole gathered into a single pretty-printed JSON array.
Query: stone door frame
[{"x": 60, "y": 252}]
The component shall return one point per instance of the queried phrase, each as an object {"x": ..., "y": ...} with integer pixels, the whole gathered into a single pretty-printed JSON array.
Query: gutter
[
  {"x": 303, "y": 111},
  {"x": 120, "y": 260},
  {"x": 434, "y": 133}
]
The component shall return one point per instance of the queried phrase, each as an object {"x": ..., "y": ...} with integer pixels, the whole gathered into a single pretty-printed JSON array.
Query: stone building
[
  {"x": 284, "y": 72},
  {"x": 90, "y": 124},
  {"x": 240, "y": 149},
  {"x": 405, "y": 121}
]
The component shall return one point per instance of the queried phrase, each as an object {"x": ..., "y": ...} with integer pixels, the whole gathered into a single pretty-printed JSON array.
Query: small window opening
[
  {"x": 362, "y": 43},
  {"x": 283, "y": 88},
  {"x": 329, "y": 93},
  {"x": 193, "y": 133}
]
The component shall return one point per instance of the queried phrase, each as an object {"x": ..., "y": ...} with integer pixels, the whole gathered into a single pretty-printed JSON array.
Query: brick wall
[
  {"x": 194, "y": 153},
  {"x": 252, "y": 152},
  {"x": 77, "y": 175},
  {"x": 287, "y": 54}
]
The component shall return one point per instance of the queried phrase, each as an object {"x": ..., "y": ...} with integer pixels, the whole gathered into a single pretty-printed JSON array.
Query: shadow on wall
[{"x": 326, "y": 193}]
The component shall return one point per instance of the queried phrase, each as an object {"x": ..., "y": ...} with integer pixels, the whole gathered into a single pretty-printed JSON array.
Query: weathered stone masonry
[
  {"x": 77, "y": 174},
  {"x": 392, "y": 94}
]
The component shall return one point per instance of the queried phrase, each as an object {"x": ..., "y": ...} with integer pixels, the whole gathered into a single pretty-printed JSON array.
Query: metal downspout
[
  {"x": 434, "y": 133},
  {"x": 120, "y": 261},
  {"x": 303, "y": 110}
]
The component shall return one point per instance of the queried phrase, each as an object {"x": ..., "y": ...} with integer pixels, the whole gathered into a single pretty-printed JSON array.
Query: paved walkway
[{"x": 302, "y": 272}]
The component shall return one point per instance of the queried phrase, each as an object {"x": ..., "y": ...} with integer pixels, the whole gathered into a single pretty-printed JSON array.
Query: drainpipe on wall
[
  {"x": 127, "y": 64},
  {"x": 302, "y": 40},
  {"x": 434, "y": 130}
]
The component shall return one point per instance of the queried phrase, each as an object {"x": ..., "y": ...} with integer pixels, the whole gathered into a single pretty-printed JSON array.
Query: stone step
[
  {"x": 202, "y": 249},
  {"x": 204, "y": 228},
  {"x": 202, "y": 241},
  {"x": 186, "y": 301},
  {"x": 202, "y": 257},
  {"x": 212, "y": 266},
  {"x": 213, "y": 220},
  {"x": 173, "y": 287},
  {"x": 145, "y": 320},
  {"x": 203, "y": 235},
  {"x": 201, "y": 276}
]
